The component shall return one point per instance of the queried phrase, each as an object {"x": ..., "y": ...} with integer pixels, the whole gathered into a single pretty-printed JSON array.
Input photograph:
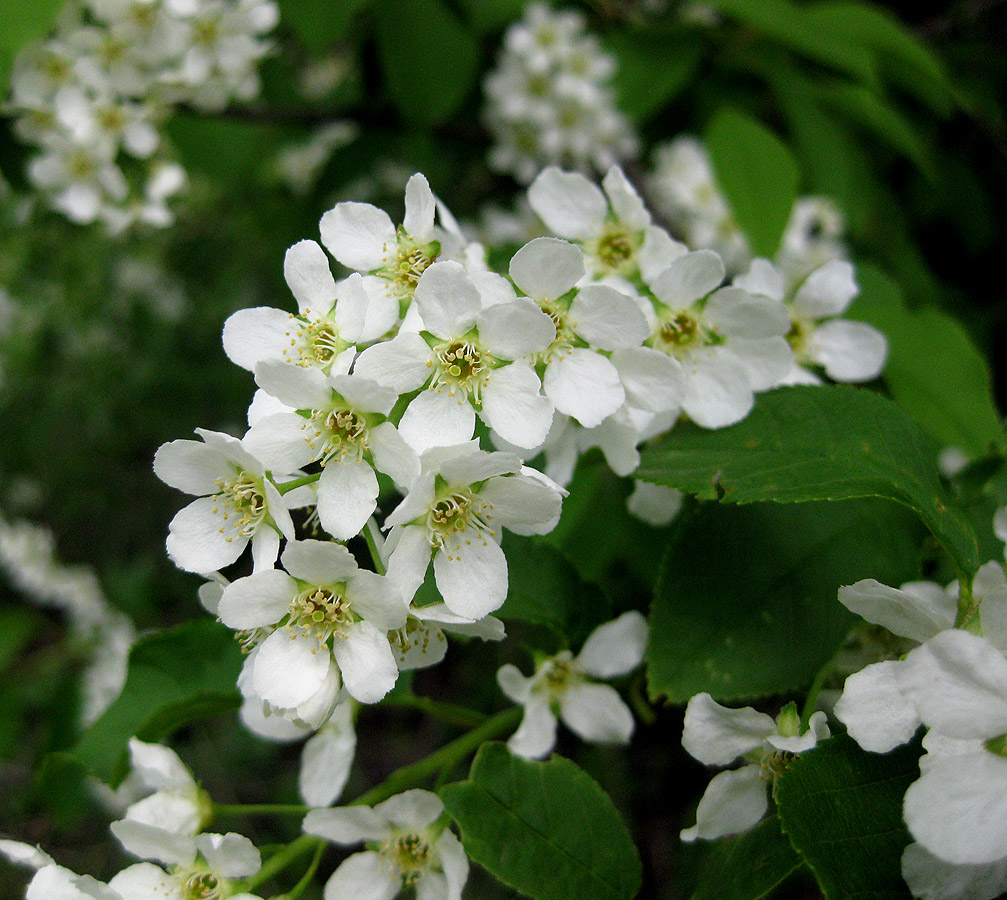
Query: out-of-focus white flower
[
  {"x": 413, "y": 848},
  {"x": 716, "y": 735},
  {"x": 549, "y": 99},
  {"x": 562, "y": 686}
]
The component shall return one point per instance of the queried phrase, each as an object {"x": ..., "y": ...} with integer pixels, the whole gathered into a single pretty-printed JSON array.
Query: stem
[
  {"x": 446, "y": 712},
  {"x": 448, "y": 755},
  {"x": 306, "y": 878},
  {"x": 968, "y": 608},
  {"x": 812, "y": 699},
  {"x": 288, "y": 486},
  {"x": 372, "y": 545},
  {"x": 265, "y": 809},
  {"x": 277, "y": 863}
]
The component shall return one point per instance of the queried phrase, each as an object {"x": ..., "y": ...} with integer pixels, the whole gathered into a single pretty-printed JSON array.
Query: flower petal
[
  {"x": 471, "y": 574},
  {"x": 872, "y": 708},
  {"x": 616, "y": 647},
  {"x": 306, "y": 270},
  {"x": 365, "y": 662},
  {"x": 447, "y": 300},
  {"x": 537, "y": 733},
  {"x": 437, "y": 418},
  {"x": 359, "y": 235},
  {"x": 363, "y": 876},
  {"x": 327, "y": 757},
  {"x": 546, "y": 268},
  {"x": 596, "y": 713},
  {"x": 570, "y": 205},
  {"x": 848, "y": 351},
  {"x": 347, "y": 496},
  {"x": 514, "y": 407},
  {"x": 289, "y": 669},
  {"x": 584, "y": 385},
  {"x": 734, "y": 801},
  {"x": 717, "y": 735}
]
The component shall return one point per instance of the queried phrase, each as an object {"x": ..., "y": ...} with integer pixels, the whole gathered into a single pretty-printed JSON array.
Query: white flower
[
  {"x": 326, "y": 613},
  {"x": 331, "y": 319},
  {"x": 957, "y": 683},
  {"x": 655, "y": 504},
  {"x": 236, "y": 504},
  {"x": 52, "y": 881},
  {"x": 716, "y": 735},
  {"x": 613, "y": 228},
  {"x": 872, "y": 706},
  {"x": 412, "y": 847},
  {"x": 455, "y": 511},
  {"x": 848, "y": 351},
  {"x": 421, "y": 641},
  {"x": 341, "y": 422},
  {"x": 730, "y": 342},
  {"x": 561, "y": 687},
  {"x": 465, "y": 358}
]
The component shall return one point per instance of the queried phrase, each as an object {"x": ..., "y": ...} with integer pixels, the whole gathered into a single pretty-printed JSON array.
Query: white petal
[
  {"x": 231, "y": 855},
  {"x": 514, "y": 407},
  {"x": 762, "y": 278},
  {"x": 515, "y": 686},
  {"x": 454, "y": 863},
  {"x": 192, "y": 466},
  {"x": 158, "y": 767},
  {"x": 537, "y": 733},
  {"x": 848, "y": 351},
  {"x": 958, "y": 808},
  {"x": 265, "y": 549},
  {"x": 319, "y": 562},
  {"x": 25, "y": 854},
  {"x": 717, "y": 389},
  {"x": 515, "y": 329},
  {"x": 447, "y": 300},
  {"x": 393, "y": 456},
  {"x": 653, "y": 381},
  {"x": 766, "y": 361},
  {"x": 281, "y": 440},
  {"x": 257, "y": 600},
  {"x": 364, "y": 394},
  {"x": 326, "y": 759},
  {"x": 654, "y": 504},
  {"x": 827, "y": 291},
  {"x": 914, "y": 614},
  {"x": 874, "y": 711},
  {"x": 375, "y": 598},
  {"x": 252, "y": 335},
  {"x": 584, "y": 385},
  {"x": 359, "y": 235},
  {"x": 347, "y": 496},
  {"x": 471, "y": 574},
  {"x": 366, "y": 662},
  {"x": 414, "y": 809},
  {"x": 689, "y": 277},
  {"x": 151, "y": 842},
  {"x": 306, "y": 270},
  {"x": 408, "y": 563},
  {"x": 298, "y": 387},
  {"x": 734, "y": 801},
  {"x": 473, "y": 464},
  {"x": 401, "y": 363},
  {"x": 626, "y": 203},
  {"x": 608, "y": 319},
  {"x": 140, "y": 882},
  {"x": 958, "y": 684},
  {"x": 717, "y": 735},
  {"x": 420, "y": 208},
  {"x": 418, "y": 645},
  {"x": 289, "y": 670},
  {"x": 737, "y": 313},
  {"x": 596, "y": 713},
  {"x": 346, "y": 825},
  {"x": 616, "y": 647},
  {"x": 546, "y": 268},
  {"x": 197, "y": 542},
  {"x": 436, "y": 418},
  {"x": 568, "y": 203},
  {"x": 522, "y": 504},
  {"x": 930, "y": 878},
  {"x": 363, "y": 876}
]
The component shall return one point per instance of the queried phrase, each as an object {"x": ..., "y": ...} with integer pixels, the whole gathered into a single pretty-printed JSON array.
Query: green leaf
[
  {"x": 841, "y": 807},
  {"x": 20, "y": 25},
  {"x": 746, "y": 602},
  {"x": 934, "y": 370},
  {"x": 749, "y": 865},
  {"x": 544, "y": 828},
  {"x": 18, "y": 625},
  {"x": 653, "y": 69},
  {"x": 175, "y": 676},
  {"x": 486, "y": 17},
  {"x": 429, "y": 59},
  {"x": 907, "y": 60},
  {"x": 757, "y": 174},
  {"x": 320, "y": 24},
  {"x": 867, "y": 109},
  {"x": 788, "y": 25},
  {"x": 545, "y": 589},
  {"x": 815, "y": 443},
  {"x": 227, "y": 150}
]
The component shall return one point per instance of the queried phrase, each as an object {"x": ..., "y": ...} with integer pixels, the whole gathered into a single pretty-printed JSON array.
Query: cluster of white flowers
[
  {"x": 550, "y": 99},
  {"x": 383, "y": 381},
  {"x": 105, "y": 635},
  {"x": 685, "y": 192},
  {"x": 93, "y": 96},
  {"x": 954, "y": 682}
]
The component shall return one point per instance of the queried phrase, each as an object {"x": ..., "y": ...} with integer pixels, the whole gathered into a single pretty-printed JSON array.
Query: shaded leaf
[
  {"x": 653, "y": 69},
  {"x": 429, "y": 59},
  {"x": 746, "y": 602},
  {"x": 747, "y": 866},
  {"x": 20, "y": 25},
  {"x": 757, "y": 174},
  {"x": 318, "y": 23},
  {"x": 841, "y": 807},
  {"x": 544, "y": 828},
  {"x": 175, "y": 676},
  {"x": 815, "y": 443}
]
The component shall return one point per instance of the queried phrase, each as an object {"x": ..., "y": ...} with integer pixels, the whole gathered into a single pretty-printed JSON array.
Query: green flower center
[
  {"x": 461, "y": 365},
  {"x": 202, "y": 886},
  {"x": 410, "y": 854},
  {"x": 241, "y": 503},
  {"x": 315, "y": 342},
  {"x": 615, "y": 250},
  {"x": 321, "y": 611},
  {"x": 456, "y": 512}
]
